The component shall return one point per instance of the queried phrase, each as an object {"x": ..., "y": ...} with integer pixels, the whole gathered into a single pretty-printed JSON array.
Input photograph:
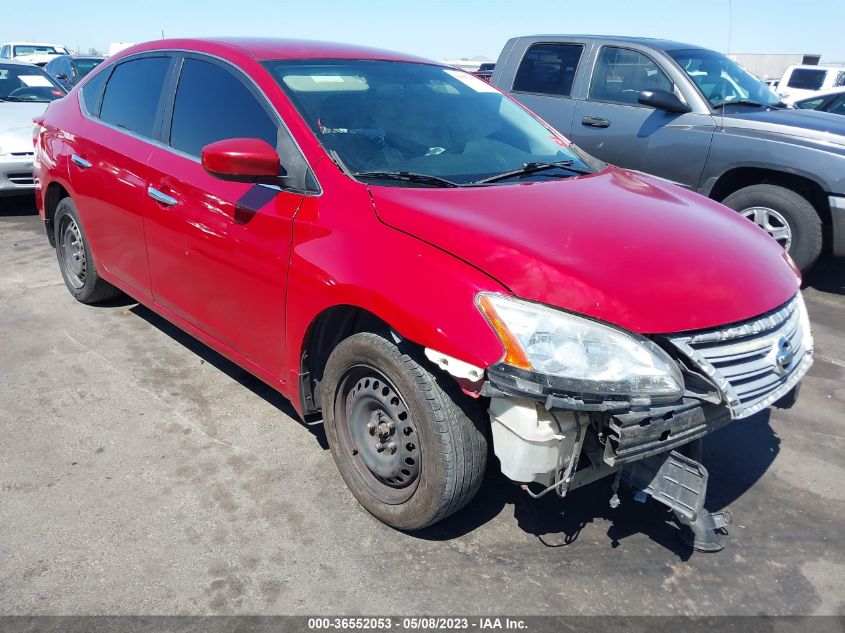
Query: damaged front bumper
[{"x": 561, "y": 441}]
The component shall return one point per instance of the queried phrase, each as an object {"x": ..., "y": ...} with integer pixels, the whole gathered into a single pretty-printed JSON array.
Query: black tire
[
  {"x": 445, "y": 432},
  {"x": 803, "y": 221},
  {"x": 75, "y": 260}
]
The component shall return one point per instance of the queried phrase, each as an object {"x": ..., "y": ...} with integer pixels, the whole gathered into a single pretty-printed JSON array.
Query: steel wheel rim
[
  {"x": 73, "y": 253},
  {"x": 377, "y": 434},
  {"x": 772, "y": 222}
]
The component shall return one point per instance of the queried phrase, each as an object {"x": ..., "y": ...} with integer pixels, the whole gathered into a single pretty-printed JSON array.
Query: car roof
[
  {"x": 823, "y": 93},
  {"x": 260, "y": 48},
  {"x": 16, "y": 62},
  {"x": 652, "y": 42},
  {"x": 33, "y": 44}
]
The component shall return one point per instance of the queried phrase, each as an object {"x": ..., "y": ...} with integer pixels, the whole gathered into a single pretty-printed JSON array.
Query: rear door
[
  {"x": 545, "y": 79},
  {"x": 123, "y": 110},
  {"x": 612, "y": 125},
  {"x": 218, "y": 249}
]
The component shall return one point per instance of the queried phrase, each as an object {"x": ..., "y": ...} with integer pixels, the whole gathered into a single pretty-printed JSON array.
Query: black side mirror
[
  {"x": 61, "y": 76},
  {"x": 663, "y": 100}
]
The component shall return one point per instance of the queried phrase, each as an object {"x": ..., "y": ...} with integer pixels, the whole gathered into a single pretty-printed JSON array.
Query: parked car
[
  {"x": 832, "y": 101},
  {"x": 398, "y": 247},
  {"x": 800, "y": 82},
  {"x": 485, "y": 71},
  {"x": 69, "y": 69},
  {"x": 25, "y": 91},
  {"x": 696, "y": 118},
  {"x": 31, "y": 52}
]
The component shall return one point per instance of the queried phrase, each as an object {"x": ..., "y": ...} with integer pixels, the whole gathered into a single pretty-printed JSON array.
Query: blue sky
[{"x": 438, "y": 29}]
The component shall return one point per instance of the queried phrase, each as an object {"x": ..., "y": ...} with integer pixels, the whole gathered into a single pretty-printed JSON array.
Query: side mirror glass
[
  {"x": 663, "y": 100},
  {"x": 241, "y": 159}
]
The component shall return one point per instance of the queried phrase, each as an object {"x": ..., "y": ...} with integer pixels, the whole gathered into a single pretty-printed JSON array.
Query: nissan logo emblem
[{"x": 783, "y": 355}]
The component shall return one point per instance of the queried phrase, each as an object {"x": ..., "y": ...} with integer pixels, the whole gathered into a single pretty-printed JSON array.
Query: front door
[
  {"x": 611, "y": 124},
  {"x": 219, "y": 250}
]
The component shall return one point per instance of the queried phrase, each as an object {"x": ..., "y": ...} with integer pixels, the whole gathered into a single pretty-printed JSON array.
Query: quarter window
[
  {"x": 211, "y": 105},
  {"x": 621, "y": 74},
  {"x": 133, "y": 93},
  {"x": 548, "y": 69}
]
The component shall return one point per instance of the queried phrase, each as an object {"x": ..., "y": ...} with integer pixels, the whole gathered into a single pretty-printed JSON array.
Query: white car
[
  {"x": 800, "y": 82},
  {"x": 25, "y": 92},
  {"x": 31, "y": 52}
]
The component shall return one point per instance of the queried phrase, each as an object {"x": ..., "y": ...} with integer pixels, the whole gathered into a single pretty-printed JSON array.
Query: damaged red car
[{"x": 409, "y": 254}]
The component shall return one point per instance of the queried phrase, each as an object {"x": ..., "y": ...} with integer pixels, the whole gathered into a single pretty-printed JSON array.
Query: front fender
[{"x": 342, "y": 255}]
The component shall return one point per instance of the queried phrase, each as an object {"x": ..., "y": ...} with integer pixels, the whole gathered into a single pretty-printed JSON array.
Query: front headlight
[
  {"x": 3, "y": 152},
  {"x": 584, "y": 356}
]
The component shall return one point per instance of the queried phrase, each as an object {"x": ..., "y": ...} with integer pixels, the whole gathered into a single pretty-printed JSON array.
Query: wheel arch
[
  {"x": 53, "y": 195},
  {"x": 738, "y": 178}
]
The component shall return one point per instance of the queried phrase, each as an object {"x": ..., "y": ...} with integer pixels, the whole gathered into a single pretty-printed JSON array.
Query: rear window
[
  {"x": 548, "y": 69},
  {"x": 807, "y": 78},
  {"x": 133, "y": 93},
  {"x": 85, "y": 66}
]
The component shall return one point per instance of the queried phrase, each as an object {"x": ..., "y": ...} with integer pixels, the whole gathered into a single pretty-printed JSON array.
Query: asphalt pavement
[{"x": 142, "y": 473}]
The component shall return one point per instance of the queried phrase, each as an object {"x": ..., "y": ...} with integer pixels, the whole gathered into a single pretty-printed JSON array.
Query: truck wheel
[
  {"x": 75, "y": 261},
  {"x": 785, "y": 215},
  {"x": 406, "y": 448}
]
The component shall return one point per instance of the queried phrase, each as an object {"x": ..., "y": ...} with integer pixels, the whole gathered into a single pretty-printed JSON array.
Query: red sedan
[{"x": 398, "y": 247}]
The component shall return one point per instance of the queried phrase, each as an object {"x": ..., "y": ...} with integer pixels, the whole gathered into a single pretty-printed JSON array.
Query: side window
[
  {"x": 840, "y": 80},
  {"x": 212, "y": 104},
  {"x": 621, "y": 74},
  {"x": 4, "y": 52},
  {"x": 809, "y": 104},
  {"x": 92, "y": 92},
  {"x": 838, "y": 106},
  {"x": 548, "y": 69},
  {"x": 133, "y": 93}
]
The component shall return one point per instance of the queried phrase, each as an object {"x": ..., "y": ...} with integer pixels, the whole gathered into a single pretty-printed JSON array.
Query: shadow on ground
[
  {"x": 827, "y": 275},
  {"x": 243, "y": 377},
  {"x": 17, "y": 205},
  {"x": 735, "y": 456}
]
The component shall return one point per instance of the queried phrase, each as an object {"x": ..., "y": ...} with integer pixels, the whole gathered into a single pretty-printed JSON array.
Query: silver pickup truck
[{"x": 695, "y": 117}]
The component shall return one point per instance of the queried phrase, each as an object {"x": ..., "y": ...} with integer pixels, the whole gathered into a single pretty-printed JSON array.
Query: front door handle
[
  {"x": 80, "y": 162},
  {"x": 594, "y": 121},
  {"x": 161, "y": 197}
]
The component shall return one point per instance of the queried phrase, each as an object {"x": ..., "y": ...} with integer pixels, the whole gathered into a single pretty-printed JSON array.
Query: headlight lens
[
  {"x": 804, "y": 321},
  {"x": 3, "y": 152},
  {"x": 585, "y": 356}
]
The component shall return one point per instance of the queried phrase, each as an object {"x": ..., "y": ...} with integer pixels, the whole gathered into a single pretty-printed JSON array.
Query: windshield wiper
[
  {"x": 531, "y": 168},
  {"x": 406, "y": 176},
  {"x": 744, "y": 102}
]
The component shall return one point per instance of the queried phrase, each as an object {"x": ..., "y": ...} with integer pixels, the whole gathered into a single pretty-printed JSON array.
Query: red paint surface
[{"x": 247, "y": 270}]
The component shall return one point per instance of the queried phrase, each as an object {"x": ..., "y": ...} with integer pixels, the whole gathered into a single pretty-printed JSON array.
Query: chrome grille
[{"x": 756, "y": 362}]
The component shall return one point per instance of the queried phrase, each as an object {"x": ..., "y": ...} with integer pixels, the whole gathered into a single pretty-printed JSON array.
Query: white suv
[
  {"x": 800, "y": 82},
  {"x": 31, "y": 52}
]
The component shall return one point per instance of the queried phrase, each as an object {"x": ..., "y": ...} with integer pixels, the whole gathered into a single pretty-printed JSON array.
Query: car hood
[
  {"x": 16, "y": 124},
  {"x": 616, "y": 246},
  {"x": 821, "y": 126}
]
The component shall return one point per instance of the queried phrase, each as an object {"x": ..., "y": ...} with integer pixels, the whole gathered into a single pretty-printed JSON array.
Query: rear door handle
[
  {"x": 80, "y": 162},
  {"x": 594, "y": 121},
  {"x": 161, "y": 197}
]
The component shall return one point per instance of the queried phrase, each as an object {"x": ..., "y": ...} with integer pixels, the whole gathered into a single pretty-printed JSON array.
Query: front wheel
[
  {"x": 407, "y": 444},
  {"x": 785, "y": 215}
]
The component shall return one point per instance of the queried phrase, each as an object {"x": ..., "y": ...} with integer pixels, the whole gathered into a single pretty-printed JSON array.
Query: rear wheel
[
  {"x": 785, "y": 215},
  {"x": 407, "y": 445},
  {"x": 75, "y": 260}
]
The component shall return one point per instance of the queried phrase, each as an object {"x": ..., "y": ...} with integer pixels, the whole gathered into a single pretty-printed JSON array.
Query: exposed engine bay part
[
  {"x": 680, "y": 483},
  {"x": 458, "y": 368},
  {"x": 532, "y": 444}
]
